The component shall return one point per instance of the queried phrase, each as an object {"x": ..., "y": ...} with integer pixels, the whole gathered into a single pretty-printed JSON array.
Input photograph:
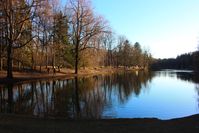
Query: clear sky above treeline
[{"x": 166, "y": 27}]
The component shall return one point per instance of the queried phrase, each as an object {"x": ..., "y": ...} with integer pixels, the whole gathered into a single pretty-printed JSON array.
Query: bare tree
[
  {"x": 108, "y": 40},
  {"x": 45, "y": 28},
  {"x": 2, "y": 37},
  {"x": 18, "y": 15},
  {"x": 84, "y": 25}
]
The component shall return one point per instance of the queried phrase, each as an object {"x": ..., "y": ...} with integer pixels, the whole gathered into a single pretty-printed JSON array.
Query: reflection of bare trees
[
  {"x": 6, "y": 99},
  {"x": 92, "y": 97},
  {"x": 124, "y": 84},
  {"x": 180, "y": 74},
  {"x": 76, "y": 98}
]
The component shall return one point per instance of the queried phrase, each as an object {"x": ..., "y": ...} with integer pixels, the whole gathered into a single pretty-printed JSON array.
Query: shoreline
[
  {"x": 22, "y": 124},
  {"x": 64, "y": 73}
]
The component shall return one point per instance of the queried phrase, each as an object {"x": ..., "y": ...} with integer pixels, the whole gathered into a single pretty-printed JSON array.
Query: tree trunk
[
  {"x": 53, "y": 58},
  {"x": 9, "y": 42},
  {"x": 1, "y": 64},
  {"x": 1, "y": 51},
  {"x": 18, "y": 65},
  {"x": 9, "y": 62},
  {"x": 76, "y": 63},
  {"x": 41, "y": 59},
  {"x": 46, "y": 57},
  {"x": 76, "y": 58},
  {"x": 32, "y": 61}
]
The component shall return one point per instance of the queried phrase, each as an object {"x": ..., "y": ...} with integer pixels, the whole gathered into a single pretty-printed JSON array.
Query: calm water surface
[{"x": 163, "y": 94}]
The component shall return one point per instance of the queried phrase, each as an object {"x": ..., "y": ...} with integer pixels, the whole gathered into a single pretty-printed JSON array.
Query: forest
[
  {"x": 38, "y": 34},
  {"x": 188, "y": 61}
]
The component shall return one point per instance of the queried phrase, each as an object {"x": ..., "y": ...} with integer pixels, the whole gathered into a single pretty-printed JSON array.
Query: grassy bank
[
  {"x": 63, "y": 73},
  {"x": 22, "y": 124}
]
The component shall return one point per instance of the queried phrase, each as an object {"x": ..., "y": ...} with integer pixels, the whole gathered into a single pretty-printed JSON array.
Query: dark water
[{"x": 163, "y": 94}]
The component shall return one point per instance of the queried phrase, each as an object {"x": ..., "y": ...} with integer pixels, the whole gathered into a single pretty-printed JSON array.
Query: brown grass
[{"x": 64, "y": 73}]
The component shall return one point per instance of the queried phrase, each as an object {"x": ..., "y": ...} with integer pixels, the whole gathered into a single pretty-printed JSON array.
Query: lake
[{"x": 163, "y": 94}]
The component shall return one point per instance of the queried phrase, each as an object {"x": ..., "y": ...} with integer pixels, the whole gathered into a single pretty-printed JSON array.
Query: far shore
[{"x": 20, "y": 76}]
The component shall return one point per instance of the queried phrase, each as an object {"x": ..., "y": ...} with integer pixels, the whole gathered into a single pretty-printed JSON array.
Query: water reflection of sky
[{"x": 168, "y": 97}]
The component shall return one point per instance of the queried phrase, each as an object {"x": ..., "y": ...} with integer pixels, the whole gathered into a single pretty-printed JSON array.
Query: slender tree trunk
[
  {"x": 9, "y": 62},
  {"x": 46, "y": 57},
  {"x": 9, "y": 42},
  {"x": 1, "y": 59},
  {"x": 76, "y": 58},
  {"x": 53, "y": 58},
  {"x": 1, "y": 64},
  {"x": 76, "y": 63},
  {"x": 18, "y": 65},
  {"x": 1, "y": 51},
  {"x": 32, "y": 60},
  {"x": 41, "y": 58}
]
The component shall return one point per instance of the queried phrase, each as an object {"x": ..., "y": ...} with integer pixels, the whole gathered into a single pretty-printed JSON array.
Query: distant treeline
[{"x": 188, "y": 61}]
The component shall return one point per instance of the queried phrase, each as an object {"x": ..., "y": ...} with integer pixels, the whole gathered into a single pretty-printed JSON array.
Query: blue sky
[{"x": 166, "y": 27}]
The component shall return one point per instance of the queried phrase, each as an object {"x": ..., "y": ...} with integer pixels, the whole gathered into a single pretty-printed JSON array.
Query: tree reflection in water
[
  {"x": 189, "y": 76},
  {"x": 197, "y": 90},
  {"x": 76, "y": 98}
]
